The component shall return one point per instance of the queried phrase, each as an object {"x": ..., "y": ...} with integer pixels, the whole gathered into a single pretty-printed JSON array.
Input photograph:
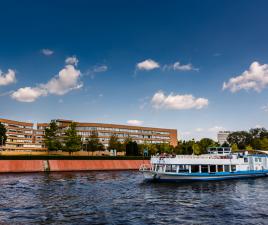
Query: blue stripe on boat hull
[{"x": 173, "y": 177}]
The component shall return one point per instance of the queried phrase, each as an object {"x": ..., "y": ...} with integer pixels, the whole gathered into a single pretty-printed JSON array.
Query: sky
[{"x": 195, "y": 66}]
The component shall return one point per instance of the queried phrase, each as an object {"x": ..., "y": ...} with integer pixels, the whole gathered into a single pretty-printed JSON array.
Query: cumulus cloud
[
  {"x": 71, "y": 61},
  {"x": 65, "y": 81},
  {"x": 7, "y": 78},
  {"x": 135, "y": 122},
  {"x": 177, "y": 66},
  {"x": 147, "y": 64},
  {"x": 256, "y": 78},
  {"x": 47, "y": 52},
  {"x": 178, "y": 102},
  {"x": 28, "y": 94}
]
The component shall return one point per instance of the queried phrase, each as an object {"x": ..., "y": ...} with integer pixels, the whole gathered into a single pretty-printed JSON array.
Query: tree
[
  {"x": 94, "y": 143},
  {"x": 72, "y": 139},
  {"x": 196, "y": 149},
  {"x": 264, "y": 144},
  {"x": 127, "y": 140},
  {"x": 3, "y": 136},
  {"x": 132, "y": 148},
  {"x": 234, "y": 147},
  {"x": 241, "y": 138},
  {"x": 52, "y": 141},
  {"x": 204, "y": 143},
  {"x": 115, "y": 144},
  {"x": 258, "y": 133}
]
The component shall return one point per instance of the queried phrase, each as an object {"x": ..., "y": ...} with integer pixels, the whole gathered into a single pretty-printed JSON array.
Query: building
[
  {"x": 20, "y": 136},
  {"x": 105, "y": 131},
  {"x": 222, "y": 136}
]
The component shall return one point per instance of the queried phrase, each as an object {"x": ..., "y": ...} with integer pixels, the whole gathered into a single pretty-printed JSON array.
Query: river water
[{"x": 123, "y": 198}]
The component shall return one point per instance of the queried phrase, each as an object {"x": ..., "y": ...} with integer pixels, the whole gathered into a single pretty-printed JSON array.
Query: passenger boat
[{"x": 218, "y": 164}]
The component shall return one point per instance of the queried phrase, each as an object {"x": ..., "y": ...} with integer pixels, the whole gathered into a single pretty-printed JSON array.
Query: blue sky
[{"x": 154, "y": 63}]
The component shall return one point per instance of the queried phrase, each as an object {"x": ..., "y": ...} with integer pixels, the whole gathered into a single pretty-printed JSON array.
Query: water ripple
[{"x": 123, "y": 198}]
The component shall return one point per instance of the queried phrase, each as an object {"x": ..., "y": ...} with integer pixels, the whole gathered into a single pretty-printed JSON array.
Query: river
[{"x": 122, "y": 197}]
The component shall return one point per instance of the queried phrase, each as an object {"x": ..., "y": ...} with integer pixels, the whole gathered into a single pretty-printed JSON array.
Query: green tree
[
  {"x": 115, "y": 144},
  {"x": 94, "y": 143},
  {"x": 234, "y": 147},
  {"x": 132, "y": 148},
  {"x": 204, "y": 143},
  {"x": 258, "y": 133},
  {"x": 196, "y": 149},
  {"x": 52, "y": 141},
  {"x": 3, "y": 136},
  {"x": 127, "y": 140},
  {"x": 264, "y": 144},
  {"x": 72, "y": 139},
  {"x": 241, "y": 138}
]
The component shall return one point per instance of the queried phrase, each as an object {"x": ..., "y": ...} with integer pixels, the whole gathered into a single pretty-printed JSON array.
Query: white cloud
[
  {"x": 96, "y": 69},
  {"x": 177, "y": 66},
  {"x": 71, "y": 61},
  {"x": 147, "y": 64},
  {"x": 255, "y": 78},
  {"x": 65, "y": 81},
  {"x": 68, "y": 79},
  {"x": 28, "y": 94},
  {"x": 100, "y": 69},
  {"x": 216, "y": 129},
  {"x": 178, "y": 102},
  {"x": 47, "y": 52},
  {"x": 7, "y": 78},
  {"x": 199, "y": 129},
  {"x": 135, "y": 122}
]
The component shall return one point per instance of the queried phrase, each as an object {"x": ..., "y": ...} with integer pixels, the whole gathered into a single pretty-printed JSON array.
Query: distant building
[
  {"x": 105, "y": 131},
  {"x": 22, "y": 135},
  {"x": 222, "y": 136}
]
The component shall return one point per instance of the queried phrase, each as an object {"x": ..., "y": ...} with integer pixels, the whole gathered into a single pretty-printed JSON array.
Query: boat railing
[
  {"x": 145, "y": 167},
  {"x": 193, "y": 157}
]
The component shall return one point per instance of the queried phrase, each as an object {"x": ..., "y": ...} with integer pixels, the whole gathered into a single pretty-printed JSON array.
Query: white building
[{"x": 222, "y": 136}]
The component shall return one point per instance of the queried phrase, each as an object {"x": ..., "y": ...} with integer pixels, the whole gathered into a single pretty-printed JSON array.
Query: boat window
[
  {"x": 168, "y": 168},
  {"x": 204, "y": 168},
  {"x": 226, "y": 168},
  {"x": 195, "y": 168},
  {"x": 174, "y": 168},
  {"x": 233, "y": 168},
  {"x": 212, "y": 169},
  {"x": 183, "y": 168},
  {"x": 256, "y": 159},
  {"x": 220, "y": 168},
  {"x": 245, "y": 160}
]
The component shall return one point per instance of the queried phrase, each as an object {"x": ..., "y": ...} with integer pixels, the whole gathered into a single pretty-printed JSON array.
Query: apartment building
[
  {"x": 20, "y": 136},
  {"x": 222, "y": 136},
  {"x": 23, "y": 136},
  {"x": 105, "y": 131}
]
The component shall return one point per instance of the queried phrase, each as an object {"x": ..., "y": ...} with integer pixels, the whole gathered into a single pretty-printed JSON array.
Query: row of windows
[
  {"x": 17, "y": 126},
  {"x": 194, "y": 168},
  {"x": 121, "y": 130}
]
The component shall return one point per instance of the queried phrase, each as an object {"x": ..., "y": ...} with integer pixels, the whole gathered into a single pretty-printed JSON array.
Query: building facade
[
  {"x": 222, "y": 136},
  {"x": 20, "y": 136},
  {"x": 23, "y": 136},
  {"x": 105, "y": 131}
]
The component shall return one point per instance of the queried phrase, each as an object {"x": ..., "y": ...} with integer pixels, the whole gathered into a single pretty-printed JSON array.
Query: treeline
[{"x": 254, "y": 139}]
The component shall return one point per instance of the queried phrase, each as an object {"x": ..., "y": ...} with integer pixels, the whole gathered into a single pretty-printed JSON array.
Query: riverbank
[{"x": 57, "y": 165}]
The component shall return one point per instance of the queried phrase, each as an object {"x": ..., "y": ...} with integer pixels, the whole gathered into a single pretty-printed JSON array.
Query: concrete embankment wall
[{"x": 13, "y": 166}]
